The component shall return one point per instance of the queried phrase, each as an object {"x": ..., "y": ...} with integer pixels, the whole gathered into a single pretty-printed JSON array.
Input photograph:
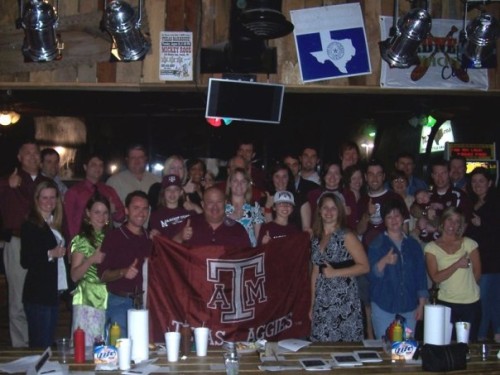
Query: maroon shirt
[
  {"x": 122, "y": 247},
  {"x": 169, "y": 221},
  {"x": 453, "y": 198},
  {"x": 276, "y": 230},
  {"x": 353, "y": 218},
  {"x": 229, "y": 233},
  {"x": 314, "y": 195},
  {"x": 16, "y": 203},
  {"x": 76, "y": 200}
]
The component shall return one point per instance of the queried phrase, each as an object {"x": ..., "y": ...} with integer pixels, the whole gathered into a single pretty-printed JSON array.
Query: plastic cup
[
  {"x": 64, "y": 349},
  {"x": 124, "y": 347},
  {"x": 201, "y": 340},
  {"x": 462, "y": 329},
  {"x": 173, "y": 341}
]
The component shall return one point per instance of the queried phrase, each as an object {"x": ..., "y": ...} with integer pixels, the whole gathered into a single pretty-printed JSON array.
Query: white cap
[{"x": 284, "y": 197}]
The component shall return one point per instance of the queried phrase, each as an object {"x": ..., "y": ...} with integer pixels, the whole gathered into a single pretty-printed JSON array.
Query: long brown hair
[
  {"x": 86, "y": 229},
  {"x": 35, "y": 215},
  {"x": 318, "y": 220}
]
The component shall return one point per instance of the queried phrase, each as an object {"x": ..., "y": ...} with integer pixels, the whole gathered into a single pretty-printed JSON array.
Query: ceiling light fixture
[
  {"x": 9, "y": 117},
  {"x": 405, "y": 36},
  {"x": 478, "y": 39},
  {"x": 39, "y": 20},
  {"x": 124, "y": 26}
]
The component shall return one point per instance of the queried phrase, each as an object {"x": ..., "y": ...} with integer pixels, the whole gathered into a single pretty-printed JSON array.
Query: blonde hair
[
  {"x": 57, "y": 215},
  {"x": 168, "y": 163},
  {"x": 449, "y": 212},
  {"x": 248, "y": 193}
]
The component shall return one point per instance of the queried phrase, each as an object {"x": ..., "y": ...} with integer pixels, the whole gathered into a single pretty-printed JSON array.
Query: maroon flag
[{"x": 240, "y": 294}]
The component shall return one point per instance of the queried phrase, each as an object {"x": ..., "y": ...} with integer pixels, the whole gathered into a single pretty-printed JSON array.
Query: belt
[{"x": 124, "y": 294}]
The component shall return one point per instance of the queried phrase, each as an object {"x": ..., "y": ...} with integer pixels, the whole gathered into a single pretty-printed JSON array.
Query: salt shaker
[{"x": 231, "y": 359}]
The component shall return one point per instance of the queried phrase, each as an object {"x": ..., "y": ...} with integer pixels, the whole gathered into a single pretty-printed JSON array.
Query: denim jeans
[
  {"x": 382, "y": 319},
  {"x": 117, "y": 311},
  {"x": 42, "y": 323},
  {"x": 490, "y": 304}
]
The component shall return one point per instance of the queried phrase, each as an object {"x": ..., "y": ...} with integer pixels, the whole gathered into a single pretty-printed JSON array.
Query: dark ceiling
[
  {"x": 173, "y": 122},
  {"x": 192, "y": 103}
]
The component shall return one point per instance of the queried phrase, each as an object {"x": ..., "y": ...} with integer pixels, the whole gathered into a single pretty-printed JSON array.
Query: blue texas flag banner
[
  {"x": 331, "y": 42},
  {"x": 240, "y": 294}
]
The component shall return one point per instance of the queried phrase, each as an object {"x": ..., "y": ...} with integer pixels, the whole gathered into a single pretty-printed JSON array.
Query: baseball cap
[
  {"x": 170, "y": 180},
  {"x": 284, "y": 197}
]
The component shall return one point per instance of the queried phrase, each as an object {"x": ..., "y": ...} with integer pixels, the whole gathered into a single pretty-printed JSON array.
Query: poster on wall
[
  {"x": 176, "y": 56},
  {"x": 331, "y": 42},
  {"x": 440, "y": 62},
  {"x": 441, "y": 138}
]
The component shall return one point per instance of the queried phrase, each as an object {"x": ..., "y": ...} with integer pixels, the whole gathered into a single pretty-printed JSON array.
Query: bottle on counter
[
  {"x": 79, "y": 343},
  {"x": 397, "y": 333},
  {"x": 114, "y": 333},
  {"x": 231, "y": 359}
]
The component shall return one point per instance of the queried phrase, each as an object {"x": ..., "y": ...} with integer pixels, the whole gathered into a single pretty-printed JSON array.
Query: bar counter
[{"x": 249, "y": 362}]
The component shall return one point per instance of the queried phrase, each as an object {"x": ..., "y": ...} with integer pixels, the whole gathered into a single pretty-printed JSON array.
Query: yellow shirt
[{"x": 460, "y": 287}]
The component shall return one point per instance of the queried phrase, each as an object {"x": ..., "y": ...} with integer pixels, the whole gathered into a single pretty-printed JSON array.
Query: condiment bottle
[
  {"x": 397, "y": 334},
  {"x": 79, "y": 343},
  {"x": 114, "y": 333}
]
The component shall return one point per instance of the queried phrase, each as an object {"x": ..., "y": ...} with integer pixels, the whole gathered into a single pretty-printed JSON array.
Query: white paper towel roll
[
  {"x": 437, "y": 326},
  {"x": 138, "y": 332}
]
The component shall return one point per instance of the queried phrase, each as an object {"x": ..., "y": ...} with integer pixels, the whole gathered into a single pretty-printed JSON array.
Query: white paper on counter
[
  {"x": 437, "y": 326},
  {"x": 138, "y": 332}
]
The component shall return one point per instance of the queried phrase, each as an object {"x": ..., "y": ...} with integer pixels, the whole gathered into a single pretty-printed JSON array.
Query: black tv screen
[{"x": 245, "y": 101}]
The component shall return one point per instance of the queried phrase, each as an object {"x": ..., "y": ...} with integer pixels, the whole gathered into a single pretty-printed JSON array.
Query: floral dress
[
  {"x": 337, "y": 308},
  {"x": 251, "y": 215}
]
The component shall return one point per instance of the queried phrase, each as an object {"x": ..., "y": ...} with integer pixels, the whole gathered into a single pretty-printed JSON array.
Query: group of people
[{"x": 377, "y": 243}]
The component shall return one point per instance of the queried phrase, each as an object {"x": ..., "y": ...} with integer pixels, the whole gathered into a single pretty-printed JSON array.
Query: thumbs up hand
[
  {"x": 14, "y": 180},
  {"x": 132, "y": 270},
  {"x": 391, "y": 257},
  {"x": 187, "y": 231},
  {"x": 266, "y": 238}
]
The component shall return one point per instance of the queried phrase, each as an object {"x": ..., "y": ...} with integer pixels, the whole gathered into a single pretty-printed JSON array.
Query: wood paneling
[
  {"x": 155, "y": 10},
  {"x": 86, "y": 53}
]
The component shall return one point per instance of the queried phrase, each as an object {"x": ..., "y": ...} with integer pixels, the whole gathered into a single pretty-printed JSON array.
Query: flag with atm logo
[{"x": 240, "y": 294}]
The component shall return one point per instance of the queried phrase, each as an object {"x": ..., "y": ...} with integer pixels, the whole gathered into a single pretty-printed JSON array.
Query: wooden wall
[{"x": 86, "y": 54}]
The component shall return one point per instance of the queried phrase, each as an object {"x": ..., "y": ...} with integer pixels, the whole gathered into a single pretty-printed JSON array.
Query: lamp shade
[
  {"x": 400, "y": 51},
  {"x": 39, "y": 21},
  {"x": 482, "y": 33},
  {"x": 122, "y": 23},
  {"x": 9, "y": 117}
]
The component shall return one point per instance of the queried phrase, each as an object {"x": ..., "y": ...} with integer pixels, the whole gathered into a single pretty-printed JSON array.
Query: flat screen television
[{"x": 244, "y": 101}]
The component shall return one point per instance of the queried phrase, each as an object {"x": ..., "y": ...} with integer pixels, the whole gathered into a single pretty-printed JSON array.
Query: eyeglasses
[{"x": 400, "y": 180}]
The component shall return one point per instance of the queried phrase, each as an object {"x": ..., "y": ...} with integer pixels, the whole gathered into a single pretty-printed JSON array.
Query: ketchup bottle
[{"x": 79, "y": 343}]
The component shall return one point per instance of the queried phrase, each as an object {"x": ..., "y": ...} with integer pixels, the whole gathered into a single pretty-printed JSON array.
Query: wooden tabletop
[{"x": 249, "y": 362}]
